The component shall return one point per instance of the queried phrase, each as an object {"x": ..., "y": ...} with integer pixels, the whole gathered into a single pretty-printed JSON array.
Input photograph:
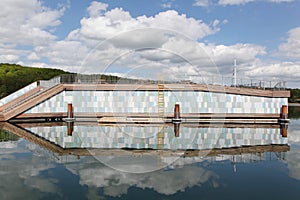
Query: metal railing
[
  {"x": 17, "y": 93},
  {"x": 45, "y": 86},
  {"x": 95, "y": 79},
  {"x": 207, "y": 80},
  {"x": 242, "y": 82}
]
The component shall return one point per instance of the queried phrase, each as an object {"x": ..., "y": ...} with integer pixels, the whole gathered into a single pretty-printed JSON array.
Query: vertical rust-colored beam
[
  {"x": 70, "y": 126},
  {"x": 176, "y": 118},
  {"x": 70, "y": 111},
  {"x": 284, "y": 130},
  {"x": 176, "y": 129},
  {"x": 284, "y": 112},
  {"x": 177, "y": 111}
]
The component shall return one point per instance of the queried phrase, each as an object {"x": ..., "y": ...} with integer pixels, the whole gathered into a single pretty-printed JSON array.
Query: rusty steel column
[
  {"x": 284, "y": 112},
  {"x": 70, "y": 111},
  {"x": 284, "y": 130},
  {"x": 70, "y": 126},
  {"x": 176, "y": 129},
  {"x": 176, "y": 118},
  {"x": 177, "y": 111}
]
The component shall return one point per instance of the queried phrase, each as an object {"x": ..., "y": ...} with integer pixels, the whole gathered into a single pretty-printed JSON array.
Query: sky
[{"x": 172, "y": 39}]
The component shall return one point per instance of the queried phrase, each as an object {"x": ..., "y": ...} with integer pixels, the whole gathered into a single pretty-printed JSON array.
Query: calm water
[{"x": 248, "y": 166}]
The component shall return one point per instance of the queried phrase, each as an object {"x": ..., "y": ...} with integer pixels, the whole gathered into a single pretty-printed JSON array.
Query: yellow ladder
[
  {"x": 161, "y": 99},
  {"x": 161, "y": 112}
]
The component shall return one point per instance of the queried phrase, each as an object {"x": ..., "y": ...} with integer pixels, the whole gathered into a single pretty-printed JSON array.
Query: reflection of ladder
[
  {"x": 161, "y": 113},
  {"x": 160, "y": 137}
]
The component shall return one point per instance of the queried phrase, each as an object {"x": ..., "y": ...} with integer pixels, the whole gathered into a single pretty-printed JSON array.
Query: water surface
[{"x": 246, "y": 163}]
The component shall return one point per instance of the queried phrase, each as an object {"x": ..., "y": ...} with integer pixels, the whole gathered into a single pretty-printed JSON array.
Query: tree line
[
  {"x": 14, "y": 77},
  {"x": 295, "y": 96}
]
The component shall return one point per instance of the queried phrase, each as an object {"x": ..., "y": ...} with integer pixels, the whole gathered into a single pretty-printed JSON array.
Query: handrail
[
  {"x": 188, "y": 79},
  {"x": 280, "y": 85},
  {"x": 42, "y": 87},
  {"x": 30, "y": 102},
  {"x": 18, "y": 93},
  {"x": 19, "y": 99}
]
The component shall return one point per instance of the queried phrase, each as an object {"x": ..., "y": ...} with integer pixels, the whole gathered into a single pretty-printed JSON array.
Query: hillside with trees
[
  {"x": 295, "y": 96},
  {"x": 14, "y": 77}
]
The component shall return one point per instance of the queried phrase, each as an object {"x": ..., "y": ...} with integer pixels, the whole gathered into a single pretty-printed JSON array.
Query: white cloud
[
  {"x": 116, "y": 32},
  {"x": 26, "y": 22},
  {"x": 23, "y": 173},
  {"x": 281, "y": 1},
  {"x": 294, "y": 132},
  {"x": 276, "y": 71},
  {"x": 115, "y": 183},
  {"x": 9, "y": 58},
  {"x": 168, "y": 40},
  {"x": 205, "y": 3},
  {"x": 242, "y": 52},
  {"x": 166, "y": 5},
  {"x": 201, "y": 3},
  {"x": 63, "y": 52},
  {"x": 234, "y": 2},
  {"x": 293, "y": 157},
  {"x": 291, "y": 48},
  {"x": 210, "y": 58},
  {"x": 216, "y": 23},
  {"x": 118, "y": 21},
  {"x": 293, "y": 163},
  {"x": 96, "y": 8},
  {"x": 33, "y": 56},
  {"x": 172, "y": 39},
  {"x": 10, "y": 54}
]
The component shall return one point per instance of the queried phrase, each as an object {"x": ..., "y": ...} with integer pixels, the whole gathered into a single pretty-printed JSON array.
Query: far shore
[{"x": 294, "y": 104}]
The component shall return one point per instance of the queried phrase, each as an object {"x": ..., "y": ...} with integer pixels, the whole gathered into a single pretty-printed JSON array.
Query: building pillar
[
  {"x": 70, "y": 111},
  {"x": 284, "y": 112},
  {"x": 283, "y": 129}
]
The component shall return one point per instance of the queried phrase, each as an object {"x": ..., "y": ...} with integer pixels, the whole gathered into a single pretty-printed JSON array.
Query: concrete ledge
[
  {"x": 151, "y": 115},
  {"x": 153, "y": 118}
]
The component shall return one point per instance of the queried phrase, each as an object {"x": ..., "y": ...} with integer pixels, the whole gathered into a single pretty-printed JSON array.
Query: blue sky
[{"x": 138, "y": 38}]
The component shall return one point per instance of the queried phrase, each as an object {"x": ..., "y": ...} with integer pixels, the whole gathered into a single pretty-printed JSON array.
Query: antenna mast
[{"x": 234, "y": 73}]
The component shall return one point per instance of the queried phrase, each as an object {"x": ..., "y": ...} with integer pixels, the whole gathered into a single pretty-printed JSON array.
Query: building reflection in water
[
  {"x": 146, "y": 137},
  {"x": 112, "y": 146}
]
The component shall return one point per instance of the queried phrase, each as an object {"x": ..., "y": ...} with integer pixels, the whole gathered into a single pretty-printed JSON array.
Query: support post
[
  {"x": 283, "y": 129},
  {"x": 70, "y": 126},
  {"x": 177, "y": 111},
  {"x": 284, "y": 112},
  {"x": 176, "y": 129},
  {"x": 176, "y": 118},
  {"x": 70, "y": 111}
]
